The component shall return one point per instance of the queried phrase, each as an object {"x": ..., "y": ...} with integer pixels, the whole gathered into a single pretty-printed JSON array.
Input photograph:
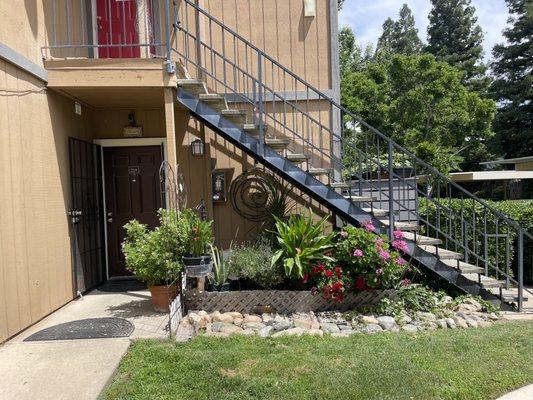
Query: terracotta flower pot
[{"x": 162, "y": 296}]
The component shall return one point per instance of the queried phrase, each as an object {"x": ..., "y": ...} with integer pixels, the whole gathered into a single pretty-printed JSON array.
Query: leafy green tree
[
  {"x": 513, "y": 84},
  {"x": 401, "y": 36},
  {"x": 422, "y": 104},
  {"x": 455, "y": 37}
]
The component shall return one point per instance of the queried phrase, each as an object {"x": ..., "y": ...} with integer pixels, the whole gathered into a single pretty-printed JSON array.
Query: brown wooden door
[
  {"x": 86, "y": 215},
  {"x": 132, "y": 191}
]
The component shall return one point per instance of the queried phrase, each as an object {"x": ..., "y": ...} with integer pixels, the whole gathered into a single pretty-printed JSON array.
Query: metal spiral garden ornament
[{"x": 257, "y": 194}]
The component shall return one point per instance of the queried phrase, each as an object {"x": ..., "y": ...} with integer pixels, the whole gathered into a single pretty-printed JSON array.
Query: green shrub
[
  {"x": 252, "y": 261},
  {"x": 154, "y": 256},
  {"x": 302, "y": 244},
  {"x": 411, "y": 298},
  {"x": 519, "y": 210},
  {"x": 221, "y": 267}
]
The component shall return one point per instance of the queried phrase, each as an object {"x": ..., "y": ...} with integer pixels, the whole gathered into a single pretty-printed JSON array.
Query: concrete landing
[{"x": 76, "y": 369}]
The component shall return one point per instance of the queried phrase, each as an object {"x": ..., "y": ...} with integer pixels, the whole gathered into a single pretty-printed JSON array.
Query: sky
[{"x": 367, "y": 16}]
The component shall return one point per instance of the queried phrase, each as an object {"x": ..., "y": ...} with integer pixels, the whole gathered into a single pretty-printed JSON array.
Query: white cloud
[{"x": 366, "y": 18}]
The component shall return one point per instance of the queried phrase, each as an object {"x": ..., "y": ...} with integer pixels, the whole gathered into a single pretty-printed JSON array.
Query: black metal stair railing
[{"x": 411, "y": 190}]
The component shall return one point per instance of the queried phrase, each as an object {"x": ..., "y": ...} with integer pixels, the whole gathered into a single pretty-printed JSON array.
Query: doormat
[
  {"x": 130, "y": 285},
  {"x": 91, "y": 328}
]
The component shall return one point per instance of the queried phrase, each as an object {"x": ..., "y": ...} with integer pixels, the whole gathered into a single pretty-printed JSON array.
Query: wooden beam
[{"x": 170, "y": 127}]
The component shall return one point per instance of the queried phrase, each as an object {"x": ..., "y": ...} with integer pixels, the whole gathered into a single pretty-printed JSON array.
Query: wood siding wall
[{"x": 35, "y": 262}]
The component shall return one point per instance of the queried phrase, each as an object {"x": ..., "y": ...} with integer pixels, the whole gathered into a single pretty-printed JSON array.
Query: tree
[
  {"x": 348, "y": 50},
  {"x": 401, "y": 36},
  {"x": 422, "y": 104},
  {"x": 455, "y": 37},
  {"x": 513, "y": 84}
]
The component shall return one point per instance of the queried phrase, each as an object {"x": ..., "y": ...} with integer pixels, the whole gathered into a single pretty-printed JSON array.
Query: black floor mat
[
  {"x": 130, "y": 285},
  {"x": 91, "y": 328}
]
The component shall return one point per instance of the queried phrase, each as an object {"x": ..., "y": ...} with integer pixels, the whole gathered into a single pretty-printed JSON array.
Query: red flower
[
  {"x": 338, "y": 272},
  {"x": 305, "y": 278},
  {"x": 360, "y": 283},
  {"x": 329, "y": 273},
  {"x": 337, "y": 286},
  {"x": 321, "y": 267}
]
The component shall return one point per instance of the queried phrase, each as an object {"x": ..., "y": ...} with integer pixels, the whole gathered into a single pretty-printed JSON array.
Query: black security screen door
[{"x": 86, "y": 215}]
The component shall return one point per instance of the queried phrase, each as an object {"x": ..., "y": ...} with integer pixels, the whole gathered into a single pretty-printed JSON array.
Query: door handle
[{"x": 110, "y": 219}]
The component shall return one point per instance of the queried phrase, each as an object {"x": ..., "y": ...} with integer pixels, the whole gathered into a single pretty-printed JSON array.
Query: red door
[{"x": 117, "y": 27}]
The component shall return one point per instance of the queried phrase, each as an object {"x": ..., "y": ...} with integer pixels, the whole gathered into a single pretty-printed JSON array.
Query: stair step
[
  {"x": 376, "y": 212},
  {"x": 420, "y": 239},
  {"x": 464, "y": 267},
  {"x": 339, "y": 185},
  {"x": 320, "y": 171},
  {"x": 400, "y": 225},
  {"x": 297, "y": 158},
  {"x": 443, "y": 254},
  {"x": 508, "y": 298},
  {"x": 253, "y": 129},
  {"x": 232, "y": 113},
  {"x": 360, "y": 199},
  {"x": 486, "y": 281},
  {"x": 277, "y": 143},
  {"x": 195, "y": 86}
]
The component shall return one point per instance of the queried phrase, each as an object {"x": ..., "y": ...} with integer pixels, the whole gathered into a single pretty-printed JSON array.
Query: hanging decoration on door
[{"x": 257, "y": 195}]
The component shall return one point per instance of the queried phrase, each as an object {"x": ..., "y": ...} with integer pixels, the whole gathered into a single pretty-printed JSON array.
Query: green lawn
[{"x": 467, "y": 364}]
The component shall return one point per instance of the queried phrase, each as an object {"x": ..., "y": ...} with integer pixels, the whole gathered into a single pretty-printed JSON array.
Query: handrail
[{"x": 346, "y": 111}]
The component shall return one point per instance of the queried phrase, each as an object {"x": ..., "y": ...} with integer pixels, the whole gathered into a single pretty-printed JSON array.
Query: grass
[{"x": 460, "y": 364}]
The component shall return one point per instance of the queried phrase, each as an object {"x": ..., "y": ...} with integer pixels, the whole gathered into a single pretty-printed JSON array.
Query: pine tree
[
  {"x": 401, "y": 36},
  {"x": 513, "y": 84},
  {"x": 455, "y": 37}
]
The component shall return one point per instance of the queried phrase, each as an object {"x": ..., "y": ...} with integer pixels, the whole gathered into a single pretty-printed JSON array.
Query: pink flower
[
  {"x": 400, "y": 261},
  {"x": 369, "y": 226},
  {"x": 344, "y": 234},
  {"x": 405, "y": 282},
  {"x": 400, "y": 245},
  {"x": 358, "y": 253},
  {"x": 398, "y": 234},
  {"x": 384, "y": 255},
  {"x": 379, "y": 241},
  {"x": 379, "y": 271}
]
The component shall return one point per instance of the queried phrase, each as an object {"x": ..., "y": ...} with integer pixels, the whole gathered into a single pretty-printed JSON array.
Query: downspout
[{"x": 170, "y": 65}]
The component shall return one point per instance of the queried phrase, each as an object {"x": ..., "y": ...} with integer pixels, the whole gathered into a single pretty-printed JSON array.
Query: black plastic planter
[{"x": 198, "y": 267}]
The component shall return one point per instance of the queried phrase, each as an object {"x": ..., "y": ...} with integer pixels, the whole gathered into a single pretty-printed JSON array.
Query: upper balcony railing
[{"x": 107, "y": 29}]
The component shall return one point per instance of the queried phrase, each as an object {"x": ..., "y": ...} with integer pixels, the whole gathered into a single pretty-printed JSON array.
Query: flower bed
[{"x": 278, "y": 301}]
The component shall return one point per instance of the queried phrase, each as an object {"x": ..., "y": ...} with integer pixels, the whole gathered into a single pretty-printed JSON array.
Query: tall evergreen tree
[
  {"x": 455, "y": 37},
  {"x": 401, "y": 36},
  {"x": 513, "y": 84}
]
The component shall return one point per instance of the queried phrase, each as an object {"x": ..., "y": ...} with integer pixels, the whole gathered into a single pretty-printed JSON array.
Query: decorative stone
[
  {"x": 345, "y": 328},
  {"x": 430, "y": 326},
  {"x": 185, "y": 331},
  {"x": 329, "y": 328},
  {"x": 461, "y": 323},
  {"x": 246, "y": 332},
  {"x": 289, "y": 332},
  {"x": 235, "y": 314},
  {"x": 267, "y": 318},
  {"x": 225, "y": 328},
  {"x": 388, "y": 323},
  {"x": 493, "y": 316},
  {"x": 282, "y": 325},
  {"x": 425, "y": 316},
  {"x": 253, "y": 325},
  {"x": 306, "y": 323},
  {"x": 404, "y": 319},
  {"x": 410, "y": 328},
  {"x": 314, "y": 332},
  {"x": 265, "y": 331},
  {"x": 451, "y": 323},
  {"x": 252, "y": 318},
  {"x": 372, "y": 328},
  {"x": 471, "y": 322},
  {"x": 368, "y": 319},
  {"x": 225, "y": 318},
  {"x": 442, "y": 324},
  {"x": 238, "y": 321}
]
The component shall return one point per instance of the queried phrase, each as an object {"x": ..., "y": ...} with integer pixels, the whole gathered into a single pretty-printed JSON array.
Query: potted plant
[
  {"x": 198, "y": 237},
  {"x": 155, "y": 256},
  {"x": 221, "y": 269}
]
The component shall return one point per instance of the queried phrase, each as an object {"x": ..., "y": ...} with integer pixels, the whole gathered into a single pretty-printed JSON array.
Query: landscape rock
[
  {"x": 388, "y": 323},
  {"x": 225, "y": 328},
  {"x": 300, "y": 321},
  {"x": 314, "y": 332},
  {"x": 328, "y": 327},
  {"x": 460, "y": 322},
  {"x": 265, "y": 331},
  {"x": 289, "y": 332},
  {"x": 451, "y": 323},
  {"x": 404, "y": 319},
  {"x": 410, "y": 328},
  {"x": 368, "y": 319},
  {"x": 425, "y": 316},
  {"x": 442, "y": 324},
  {"x": 252, "y": 318},
  {"x": 218, "y": 317},
  {"x": 282, "y": 325},
  {"x": 372, "y": 328},
  {"x": 185, "y": 331},
  {"x": 253, "y": 325}
]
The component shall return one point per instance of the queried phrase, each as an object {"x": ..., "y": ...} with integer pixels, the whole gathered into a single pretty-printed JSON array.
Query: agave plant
[
  {"x": 221, "y": 267},
  {"x": 303, "y": 244}
]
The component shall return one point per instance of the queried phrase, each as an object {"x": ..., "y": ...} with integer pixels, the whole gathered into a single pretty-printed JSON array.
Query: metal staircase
[{"x": 326, "y": 151}]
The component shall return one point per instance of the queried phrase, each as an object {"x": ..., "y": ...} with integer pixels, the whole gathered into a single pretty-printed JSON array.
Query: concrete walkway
[
  {"x": 525, "y": 393},
  {"x": 75, "y": 369}
]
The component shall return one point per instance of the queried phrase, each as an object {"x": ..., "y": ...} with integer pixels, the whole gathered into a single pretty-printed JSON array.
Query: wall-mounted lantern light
[{"x": 197, "y": 148}]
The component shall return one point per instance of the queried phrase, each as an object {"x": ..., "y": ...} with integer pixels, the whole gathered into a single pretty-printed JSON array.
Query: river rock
[
  {"x": 460, "y": 322},
  {"x": 289, "y": 332},
  {"x": 253, "y": 325},
  {"x": 251, "y": 318},
  {"x": 368, "y": 319},
  {"x": 372, "y": 328},
  {"x": 265, "y": 331},
  {"x": 410, "y": 328}
]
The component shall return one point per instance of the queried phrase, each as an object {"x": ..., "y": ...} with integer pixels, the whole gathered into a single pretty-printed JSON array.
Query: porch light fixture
[{"x": 197, "y": 148}]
